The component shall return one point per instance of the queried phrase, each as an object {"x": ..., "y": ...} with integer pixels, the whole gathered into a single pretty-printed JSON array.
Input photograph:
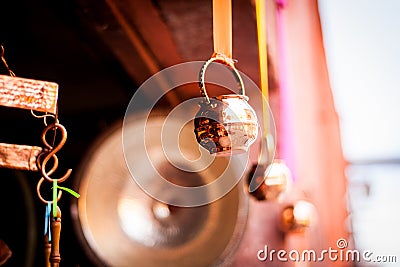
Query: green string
[
  {"x": 54, "y": 198},
  {"x": 55, "y": 189}
]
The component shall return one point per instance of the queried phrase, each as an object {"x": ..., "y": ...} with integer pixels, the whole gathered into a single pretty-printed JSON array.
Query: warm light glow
[
  {"x": 161, "y": 210},
  {"x": 303, "y": 212},
  {"x": 135, "y": 220},
  {"x": 297, "y": 218},
  {"x": 278, "y": 174}
]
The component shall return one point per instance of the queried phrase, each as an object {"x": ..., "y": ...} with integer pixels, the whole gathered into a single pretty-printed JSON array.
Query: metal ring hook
[
  {"x": 225, "y": 61},
  {"x": 39, "y": 184}
]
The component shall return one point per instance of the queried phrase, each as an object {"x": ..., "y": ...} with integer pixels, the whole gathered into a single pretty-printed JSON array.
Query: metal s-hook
[
  {"x": 53, "y": 151},
  {"x": 39, "y": 184}
]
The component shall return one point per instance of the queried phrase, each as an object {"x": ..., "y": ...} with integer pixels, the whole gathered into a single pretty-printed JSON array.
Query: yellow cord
[
  {"x": 262, "y": 50},
  {"x": 263, "y": 60}
]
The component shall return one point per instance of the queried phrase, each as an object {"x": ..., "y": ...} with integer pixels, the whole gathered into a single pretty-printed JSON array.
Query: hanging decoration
[
  {"x": 267, "y": 180},
  {"x": 272, "y": 182},
  {"x": 268, "y": 142},
  {"x": 225, "y": 124},
  {"x": 37, "y": 96},
  {"x": 297, "y": 217}
]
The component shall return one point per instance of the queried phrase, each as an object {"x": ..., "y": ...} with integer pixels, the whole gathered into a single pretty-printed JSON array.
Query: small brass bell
[
  {"x": 272, "y": 181},
  {"x": 225, "y": 124},
  {"x": 297, "y": 217}
]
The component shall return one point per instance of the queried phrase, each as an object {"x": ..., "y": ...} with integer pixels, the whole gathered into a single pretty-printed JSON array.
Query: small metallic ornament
[
  {"x": 225, "y": 124},
  {"x": 297, "y": 217},
  {"x": 272, "y": 181}
]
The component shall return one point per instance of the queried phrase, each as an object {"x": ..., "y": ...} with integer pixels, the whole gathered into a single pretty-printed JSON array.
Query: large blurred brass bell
[
  {"x": 225, "y": 124},
  {"x": 120, "y": 225}
]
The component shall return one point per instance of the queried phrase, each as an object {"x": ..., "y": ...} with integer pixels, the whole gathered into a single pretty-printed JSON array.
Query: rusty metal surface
[
  {"x": 28, "y": 94},
  {"x": 19, "y": 157}
]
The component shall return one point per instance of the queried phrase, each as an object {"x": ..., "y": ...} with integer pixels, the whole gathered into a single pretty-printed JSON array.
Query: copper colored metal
[
  {"x": 28, "y": 94},
  {"x": 52, "y": 153},
  {"x": 272, "y": 180},
  {"x": 20, "y": 157},
  {"x": 55, "y": 225},
  {"x": 39, "y": 184},
  {"x": 47, "y": 251},
  {"x": 225, "y": 124},
  {"x": 297, "y": 217}
]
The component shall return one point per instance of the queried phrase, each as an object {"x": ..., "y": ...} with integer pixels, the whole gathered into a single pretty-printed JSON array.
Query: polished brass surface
[
  {"x": 123, "y": 226},
  {"x": 297, "y": 217},
  {"x": 225, "y": 124},
  {"x": 272, "y": 180}
]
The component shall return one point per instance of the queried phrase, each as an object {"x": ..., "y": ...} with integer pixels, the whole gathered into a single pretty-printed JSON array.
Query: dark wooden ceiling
[{"x": 90, "y": 46}]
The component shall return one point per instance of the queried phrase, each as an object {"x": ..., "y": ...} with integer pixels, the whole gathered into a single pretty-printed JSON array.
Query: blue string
[{"x": 47, "y": 221}]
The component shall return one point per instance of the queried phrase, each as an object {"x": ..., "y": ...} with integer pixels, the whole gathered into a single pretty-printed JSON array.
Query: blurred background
[
  {"x": 332, "y": 90},
  {"x": 360, "y": 42}
]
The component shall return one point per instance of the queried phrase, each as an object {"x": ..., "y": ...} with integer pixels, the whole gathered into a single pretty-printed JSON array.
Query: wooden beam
[
  {"x": 19, "y": 157},
  {"x": 28, "y": 94},
  {"x": 136, "y": 34}
]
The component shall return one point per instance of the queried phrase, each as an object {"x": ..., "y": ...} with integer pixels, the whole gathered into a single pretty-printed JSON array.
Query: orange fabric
[
  {"x": 222, "y": 27},
  {"x": 262, "y": 54}
]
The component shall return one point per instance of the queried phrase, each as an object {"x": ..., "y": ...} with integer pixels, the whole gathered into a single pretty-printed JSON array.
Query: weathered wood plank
[
  {"x": 20, "y": 157},
  {"x": 28, "y": 94}
]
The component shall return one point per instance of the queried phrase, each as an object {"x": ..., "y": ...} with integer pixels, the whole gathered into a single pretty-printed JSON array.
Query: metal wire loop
[
  {"x": 39, "y": 184},
  {"x": 11, "y": 73}
]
